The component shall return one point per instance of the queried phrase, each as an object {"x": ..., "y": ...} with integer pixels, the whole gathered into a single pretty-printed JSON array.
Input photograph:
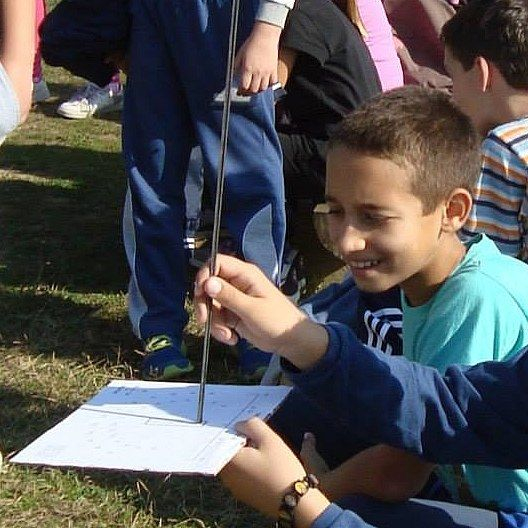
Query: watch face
[{"x": 301, "y": 487}]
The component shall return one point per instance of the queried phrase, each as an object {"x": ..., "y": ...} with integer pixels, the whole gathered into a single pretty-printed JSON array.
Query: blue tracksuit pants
[{"x": 178, "y": 55}]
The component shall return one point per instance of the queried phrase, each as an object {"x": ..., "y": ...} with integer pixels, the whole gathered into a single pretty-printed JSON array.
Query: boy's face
[
  {"x": 467, "y": 91},
  {"x": 378, "y": 225}
]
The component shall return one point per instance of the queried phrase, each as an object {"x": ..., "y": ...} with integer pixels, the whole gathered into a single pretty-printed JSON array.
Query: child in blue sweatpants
[{"x": 178, "y": 55}]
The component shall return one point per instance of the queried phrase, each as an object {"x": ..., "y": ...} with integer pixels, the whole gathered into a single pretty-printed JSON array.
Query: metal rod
[{"x": 219, "y": 197}]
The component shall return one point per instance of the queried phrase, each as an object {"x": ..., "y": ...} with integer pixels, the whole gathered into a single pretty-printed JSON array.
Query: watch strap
[{"x": 291, "y": 498}]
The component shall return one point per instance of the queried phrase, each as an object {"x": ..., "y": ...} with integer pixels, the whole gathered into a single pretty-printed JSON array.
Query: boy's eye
[
  {"x": 334, "y": 217},
  {"x": 372, "y": 218}
]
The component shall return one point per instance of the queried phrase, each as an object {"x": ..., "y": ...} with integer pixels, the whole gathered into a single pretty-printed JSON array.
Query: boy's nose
[{"x": 351, "y": 240}]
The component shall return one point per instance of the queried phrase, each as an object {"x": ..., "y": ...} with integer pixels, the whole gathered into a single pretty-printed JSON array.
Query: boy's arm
[
  {"x": 423, "y": 75},
  {"x": 451, "y": 419},
  {"x": 17, "y": 41},
  {"x": 263, "y": 472},
  {"x": 382, "y": 472},
  {"x": 256, "y": 61},
  {"x": 443, "y": 419}
]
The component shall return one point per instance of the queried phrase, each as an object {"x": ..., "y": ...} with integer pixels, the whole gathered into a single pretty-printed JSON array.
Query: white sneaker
[
  {"x": 91, "y": 99},
  {"x": 41, "y": 92}
]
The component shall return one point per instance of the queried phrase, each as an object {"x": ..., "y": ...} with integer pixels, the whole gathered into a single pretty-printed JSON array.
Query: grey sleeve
[
  {"x": 9, "y": 105},
  {"x": 274, "y": 11}
]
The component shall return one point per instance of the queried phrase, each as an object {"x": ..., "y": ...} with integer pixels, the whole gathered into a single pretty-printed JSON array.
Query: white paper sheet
[{"x": 149, "y": 426}]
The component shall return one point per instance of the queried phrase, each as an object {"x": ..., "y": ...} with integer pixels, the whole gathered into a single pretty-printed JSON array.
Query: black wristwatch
[{"x": 291, "y": 499}]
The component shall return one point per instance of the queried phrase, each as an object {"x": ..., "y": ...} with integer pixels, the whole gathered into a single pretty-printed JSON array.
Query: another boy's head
[
  {"x": 399, "y": 175},
  {"x": 487, "y": 57}
]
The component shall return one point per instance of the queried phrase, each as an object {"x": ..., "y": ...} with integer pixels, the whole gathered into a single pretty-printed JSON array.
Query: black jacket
[{"x": 79, "y": 35}]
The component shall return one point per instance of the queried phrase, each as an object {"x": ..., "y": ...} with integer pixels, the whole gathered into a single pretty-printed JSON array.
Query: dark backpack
[{"x": 80, "y": 35}]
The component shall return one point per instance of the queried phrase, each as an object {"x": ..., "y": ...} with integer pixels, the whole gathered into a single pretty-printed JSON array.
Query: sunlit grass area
[{"x": 64, "y": 331}]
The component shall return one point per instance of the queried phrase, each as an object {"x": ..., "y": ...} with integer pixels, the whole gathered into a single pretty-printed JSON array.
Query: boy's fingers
[
  {"x": 200, "y": 307},
  {"x": 212, "y": 287},
  {"x": 235, "y": 287},
  {"x": 223, "y": 322},
  {"x": 201, "y": 276},
  {"x": 227, "y": 295},
  {"x": 256, "y": 80},
  {"x": 200, "y": 297},
  {"x": 255, "y": 430},
  {"x": 310, "y": 457},
  {"x": 245, "y": 78},
  {"x": 224, "y": 334},
  {"x": 309, "y": 439},
  {"x": 264, "y": 83},
  {"x": 268, "y": 80},
  {"x": 244, "y": 276},
  {"x": 308, "y": 449}
]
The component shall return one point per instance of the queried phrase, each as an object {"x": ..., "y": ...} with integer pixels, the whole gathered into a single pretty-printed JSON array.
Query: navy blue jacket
[
  {"x": 475, "y": 415},
  {"x": 79, "y": 35},
  {"x": 450, "y": 419}
]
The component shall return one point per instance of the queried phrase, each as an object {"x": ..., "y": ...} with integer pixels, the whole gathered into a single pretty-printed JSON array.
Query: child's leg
[
  {"x": 41, "y": 91},
  {"x": 254, "y": 196},
  {"x": 90, "y": 99},
  {"x": 40, "y": 6},
  {"x": 193, "y": 193},
  {"x": 157, "y": 138}
]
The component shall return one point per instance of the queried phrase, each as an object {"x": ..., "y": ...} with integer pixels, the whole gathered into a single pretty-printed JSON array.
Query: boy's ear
[
  {"x": 456, "y": 211},
  {"x": 484, "y": 71}
]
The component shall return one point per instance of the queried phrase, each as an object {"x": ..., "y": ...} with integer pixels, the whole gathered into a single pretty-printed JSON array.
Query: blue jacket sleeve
[
  {"x": 335, "y": 517},
  {"x": 475, "y": 415}
]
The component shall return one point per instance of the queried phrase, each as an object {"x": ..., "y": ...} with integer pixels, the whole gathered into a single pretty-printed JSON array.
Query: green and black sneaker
[{"x": 164, "y": 360}]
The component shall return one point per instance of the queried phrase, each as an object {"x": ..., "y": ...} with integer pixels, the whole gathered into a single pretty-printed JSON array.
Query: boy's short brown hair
[
  {"x": 496, "y": 30},
  {"x": 420, "y": 130}
]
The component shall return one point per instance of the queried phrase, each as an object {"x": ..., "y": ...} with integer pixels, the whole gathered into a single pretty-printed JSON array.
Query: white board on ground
[{"x": 150, "y": 426}]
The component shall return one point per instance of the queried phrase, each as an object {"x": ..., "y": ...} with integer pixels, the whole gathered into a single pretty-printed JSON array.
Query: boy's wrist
[
  {"x": 267, "y": 30},
  {"x": 306, "y": 345},
  {"x": 310, "y": 508},
  {"x": 302, "y": 504}
]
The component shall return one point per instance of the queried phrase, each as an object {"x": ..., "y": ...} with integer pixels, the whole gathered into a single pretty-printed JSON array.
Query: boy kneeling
[{"x": 399, "y": 177}]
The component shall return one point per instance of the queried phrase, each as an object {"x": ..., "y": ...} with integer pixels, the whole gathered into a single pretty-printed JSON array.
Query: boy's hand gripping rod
[{"x": 219, "y": 197}]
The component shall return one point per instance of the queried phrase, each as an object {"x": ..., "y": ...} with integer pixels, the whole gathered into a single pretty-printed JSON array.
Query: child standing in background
[{"x": 178, "y": 54}]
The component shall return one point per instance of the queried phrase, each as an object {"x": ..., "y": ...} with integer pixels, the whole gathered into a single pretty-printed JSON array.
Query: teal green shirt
[{"x": 480, "y": 313}]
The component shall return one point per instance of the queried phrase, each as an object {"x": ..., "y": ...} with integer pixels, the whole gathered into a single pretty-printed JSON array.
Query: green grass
[{"x": 64, "y": 331}]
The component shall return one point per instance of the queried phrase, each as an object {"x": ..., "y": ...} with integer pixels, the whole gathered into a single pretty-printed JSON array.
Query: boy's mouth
[{"x": 363, "y": 264}]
